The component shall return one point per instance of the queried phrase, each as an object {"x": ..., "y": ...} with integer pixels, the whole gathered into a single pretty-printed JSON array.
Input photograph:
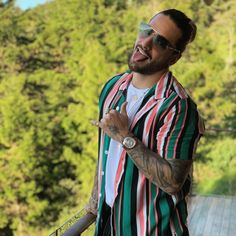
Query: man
[{"x": 149, "y": 128}]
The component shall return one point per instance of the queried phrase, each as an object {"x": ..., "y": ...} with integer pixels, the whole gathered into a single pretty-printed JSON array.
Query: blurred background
[{"x": 54, "y": 58}]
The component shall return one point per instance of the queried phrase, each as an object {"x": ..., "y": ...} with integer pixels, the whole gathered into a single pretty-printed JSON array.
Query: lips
[{"x": 140, "y": 55}]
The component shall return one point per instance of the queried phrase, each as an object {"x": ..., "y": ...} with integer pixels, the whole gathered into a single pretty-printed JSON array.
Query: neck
[{"x": 146, "y": 81}]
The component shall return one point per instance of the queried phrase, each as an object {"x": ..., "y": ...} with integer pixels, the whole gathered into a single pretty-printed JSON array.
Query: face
[{"x": 155, "y": 52}]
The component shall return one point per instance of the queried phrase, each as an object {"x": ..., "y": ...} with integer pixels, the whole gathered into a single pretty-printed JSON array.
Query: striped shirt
[{"x": 168, "y": 123}]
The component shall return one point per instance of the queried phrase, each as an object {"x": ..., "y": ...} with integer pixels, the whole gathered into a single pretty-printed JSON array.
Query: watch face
[{"x": 129, "y": 142}]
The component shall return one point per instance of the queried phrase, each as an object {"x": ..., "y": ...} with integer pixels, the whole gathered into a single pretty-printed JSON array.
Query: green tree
[{"x": 55, "y": 59}]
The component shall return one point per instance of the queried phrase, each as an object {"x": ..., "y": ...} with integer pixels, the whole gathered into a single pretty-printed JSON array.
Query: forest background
[{"x": 55, "y": 59}]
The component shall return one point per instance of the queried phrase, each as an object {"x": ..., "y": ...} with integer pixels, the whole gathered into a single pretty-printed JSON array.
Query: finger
[
  {"x": 112, "y": 111},
  {"x": 107, "y": 110},
  {"x": 123, "y": 108},
  {"x": 94, "y": 122}
]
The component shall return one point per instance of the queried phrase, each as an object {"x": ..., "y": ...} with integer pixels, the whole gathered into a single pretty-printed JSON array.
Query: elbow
[
  {"x": 177, "y": 187},
  {"x": 172, "y": 189}
]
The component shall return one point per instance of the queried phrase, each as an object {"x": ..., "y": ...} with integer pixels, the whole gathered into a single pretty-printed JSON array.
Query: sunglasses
[{"x": 145, "y": 30}]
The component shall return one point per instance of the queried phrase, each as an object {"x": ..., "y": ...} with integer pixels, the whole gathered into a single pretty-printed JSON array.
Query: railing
[{"x": 76, "y": 225}]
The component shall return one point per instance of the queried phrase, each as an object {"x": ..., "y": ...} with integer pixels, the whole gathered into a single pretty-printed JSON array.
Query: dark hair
[{"x": 185, "y": 24}]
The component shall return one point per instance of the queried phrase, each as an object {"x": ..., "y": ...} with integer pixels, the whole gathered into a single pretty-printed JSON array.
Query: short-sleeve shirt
[{"x": 167, "y": 123}]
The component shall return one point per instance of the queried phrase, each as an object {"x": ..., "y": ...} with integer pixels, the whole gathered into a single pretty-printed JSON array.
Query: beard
[{"x": 147, "y": 67}]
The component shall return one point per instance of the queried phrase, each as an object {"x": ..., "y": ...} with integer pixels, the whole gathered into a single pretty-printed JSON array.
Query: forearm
[
  {"x": 169, "y": 175},
  {"x": 93, "y": 200}
]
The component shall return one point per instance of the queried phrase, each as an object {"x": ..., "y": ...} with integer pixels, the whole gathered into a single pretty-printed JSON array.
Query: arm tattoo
[{"x": 169, "y": 175}]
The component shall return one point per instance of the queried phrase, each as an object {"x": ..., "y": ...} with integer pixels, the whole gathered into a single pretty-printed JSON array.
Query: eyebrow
[
  {"x": 158, "y": 32},
  {"x": 171, "y": 44},
  {"x": 153, "y": 29}
]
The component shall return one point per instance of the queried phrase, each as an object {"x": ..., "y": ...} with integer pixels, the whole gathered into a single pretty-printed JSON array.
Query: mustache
[{"x": 143, "y": 50}]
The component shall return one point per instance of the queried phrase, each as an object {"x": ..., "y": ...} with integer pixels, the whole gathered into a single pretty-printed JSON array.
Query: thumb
[{"x": 123, "y": 108}]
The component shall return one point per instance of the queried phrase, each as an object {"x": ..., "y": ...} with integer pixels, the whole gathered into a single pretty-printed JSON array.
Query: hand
[{"x": 115, "y": 124}]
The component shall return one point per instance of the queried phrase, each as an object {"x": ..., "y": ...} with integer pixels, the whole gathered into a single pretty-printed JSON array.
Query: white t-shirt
[{"x": 134, "y": 98}]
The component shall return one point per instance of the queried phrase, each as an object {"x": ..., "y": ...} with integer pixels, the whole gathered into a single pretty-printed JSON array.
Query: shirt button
[
  {"x": 100, "y": 194},
  {"x": 117, "y": 108},
  {"x": 106, "y": 152},
  {"x": 102, "y": 172}
]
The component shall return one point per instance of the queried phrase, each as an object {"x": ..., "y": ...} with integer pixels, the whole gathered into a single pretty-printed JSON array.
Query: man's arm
[
  {"x": 168, "y": 174},
  {"x": 91, "y": 207}
]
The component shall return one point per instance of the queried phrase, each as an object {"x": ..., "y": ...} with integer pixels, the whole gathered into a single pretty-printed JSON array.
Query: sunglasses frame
[{"x": 144, "y": 26}]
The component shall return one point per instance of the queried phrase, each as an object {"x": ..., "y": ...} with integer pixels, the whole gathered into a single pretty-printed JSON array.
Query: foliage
[
  {"x": 55, "y": 59},
  {"x": 219, "y": 163}
]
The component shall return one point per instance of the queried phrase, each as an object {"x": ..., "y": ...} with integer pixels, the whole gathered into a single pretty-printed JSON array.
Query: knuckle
[{"x": 113, "y": 112}]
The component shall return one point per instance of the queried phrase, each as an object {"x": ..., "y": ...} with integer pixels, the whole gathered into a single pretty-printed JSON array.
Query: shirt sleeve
[{"x": 180, "y": 130}]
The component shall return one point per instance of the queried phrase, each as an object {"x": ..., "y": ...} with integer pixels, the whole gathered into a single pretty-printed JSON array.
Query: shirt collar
[{"x": 162, "y": 87}]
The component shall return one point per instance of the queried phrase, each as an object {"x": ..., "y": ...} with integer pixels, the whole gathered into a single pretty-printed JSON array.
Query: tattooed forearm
[{"x": 169, "y": 175}]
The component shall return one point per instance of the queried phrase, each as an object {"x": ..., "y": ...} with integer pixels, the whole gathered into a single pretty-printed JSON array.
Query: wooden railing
[{"x": 76, "y": 225}]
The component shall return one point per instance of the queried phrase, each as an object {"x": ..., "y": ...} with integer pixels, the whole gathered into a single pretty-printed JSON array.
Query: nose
[{"x": 146, "y": 43}]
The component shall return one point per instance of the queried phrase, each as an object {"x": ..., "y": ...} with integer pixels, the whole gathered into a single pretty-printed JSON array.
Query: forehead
[{"x": 166, "y": 27}]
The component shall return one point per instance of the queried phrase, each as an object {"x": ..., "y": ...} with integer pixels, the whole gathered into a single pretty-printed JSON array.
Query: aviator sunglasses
[{"x": 145, "y": 30}]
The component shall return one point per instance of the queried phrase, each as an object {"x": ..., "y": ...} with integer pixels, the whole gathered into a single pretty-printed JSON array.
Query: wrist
[
  {"x": 129, "y": 142},
  {"x": 123, "y": 135}
]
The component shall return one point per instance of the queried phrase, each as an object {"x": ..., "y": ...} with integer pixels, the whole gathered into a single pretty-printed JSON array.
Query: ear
[{"x": 174, "y": 58}]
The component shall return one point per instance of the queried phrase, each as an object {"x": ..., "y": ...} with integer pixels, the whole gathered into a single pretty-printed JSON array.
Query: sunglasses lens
[
  {"x": 146, "y": 32},
  {"x": 159, "y": 41}
]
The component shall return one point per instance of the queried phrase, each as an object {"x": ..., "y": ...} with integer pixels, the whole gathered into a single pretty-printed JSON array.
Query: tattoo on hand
[{"x": 114, "y": 130}]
